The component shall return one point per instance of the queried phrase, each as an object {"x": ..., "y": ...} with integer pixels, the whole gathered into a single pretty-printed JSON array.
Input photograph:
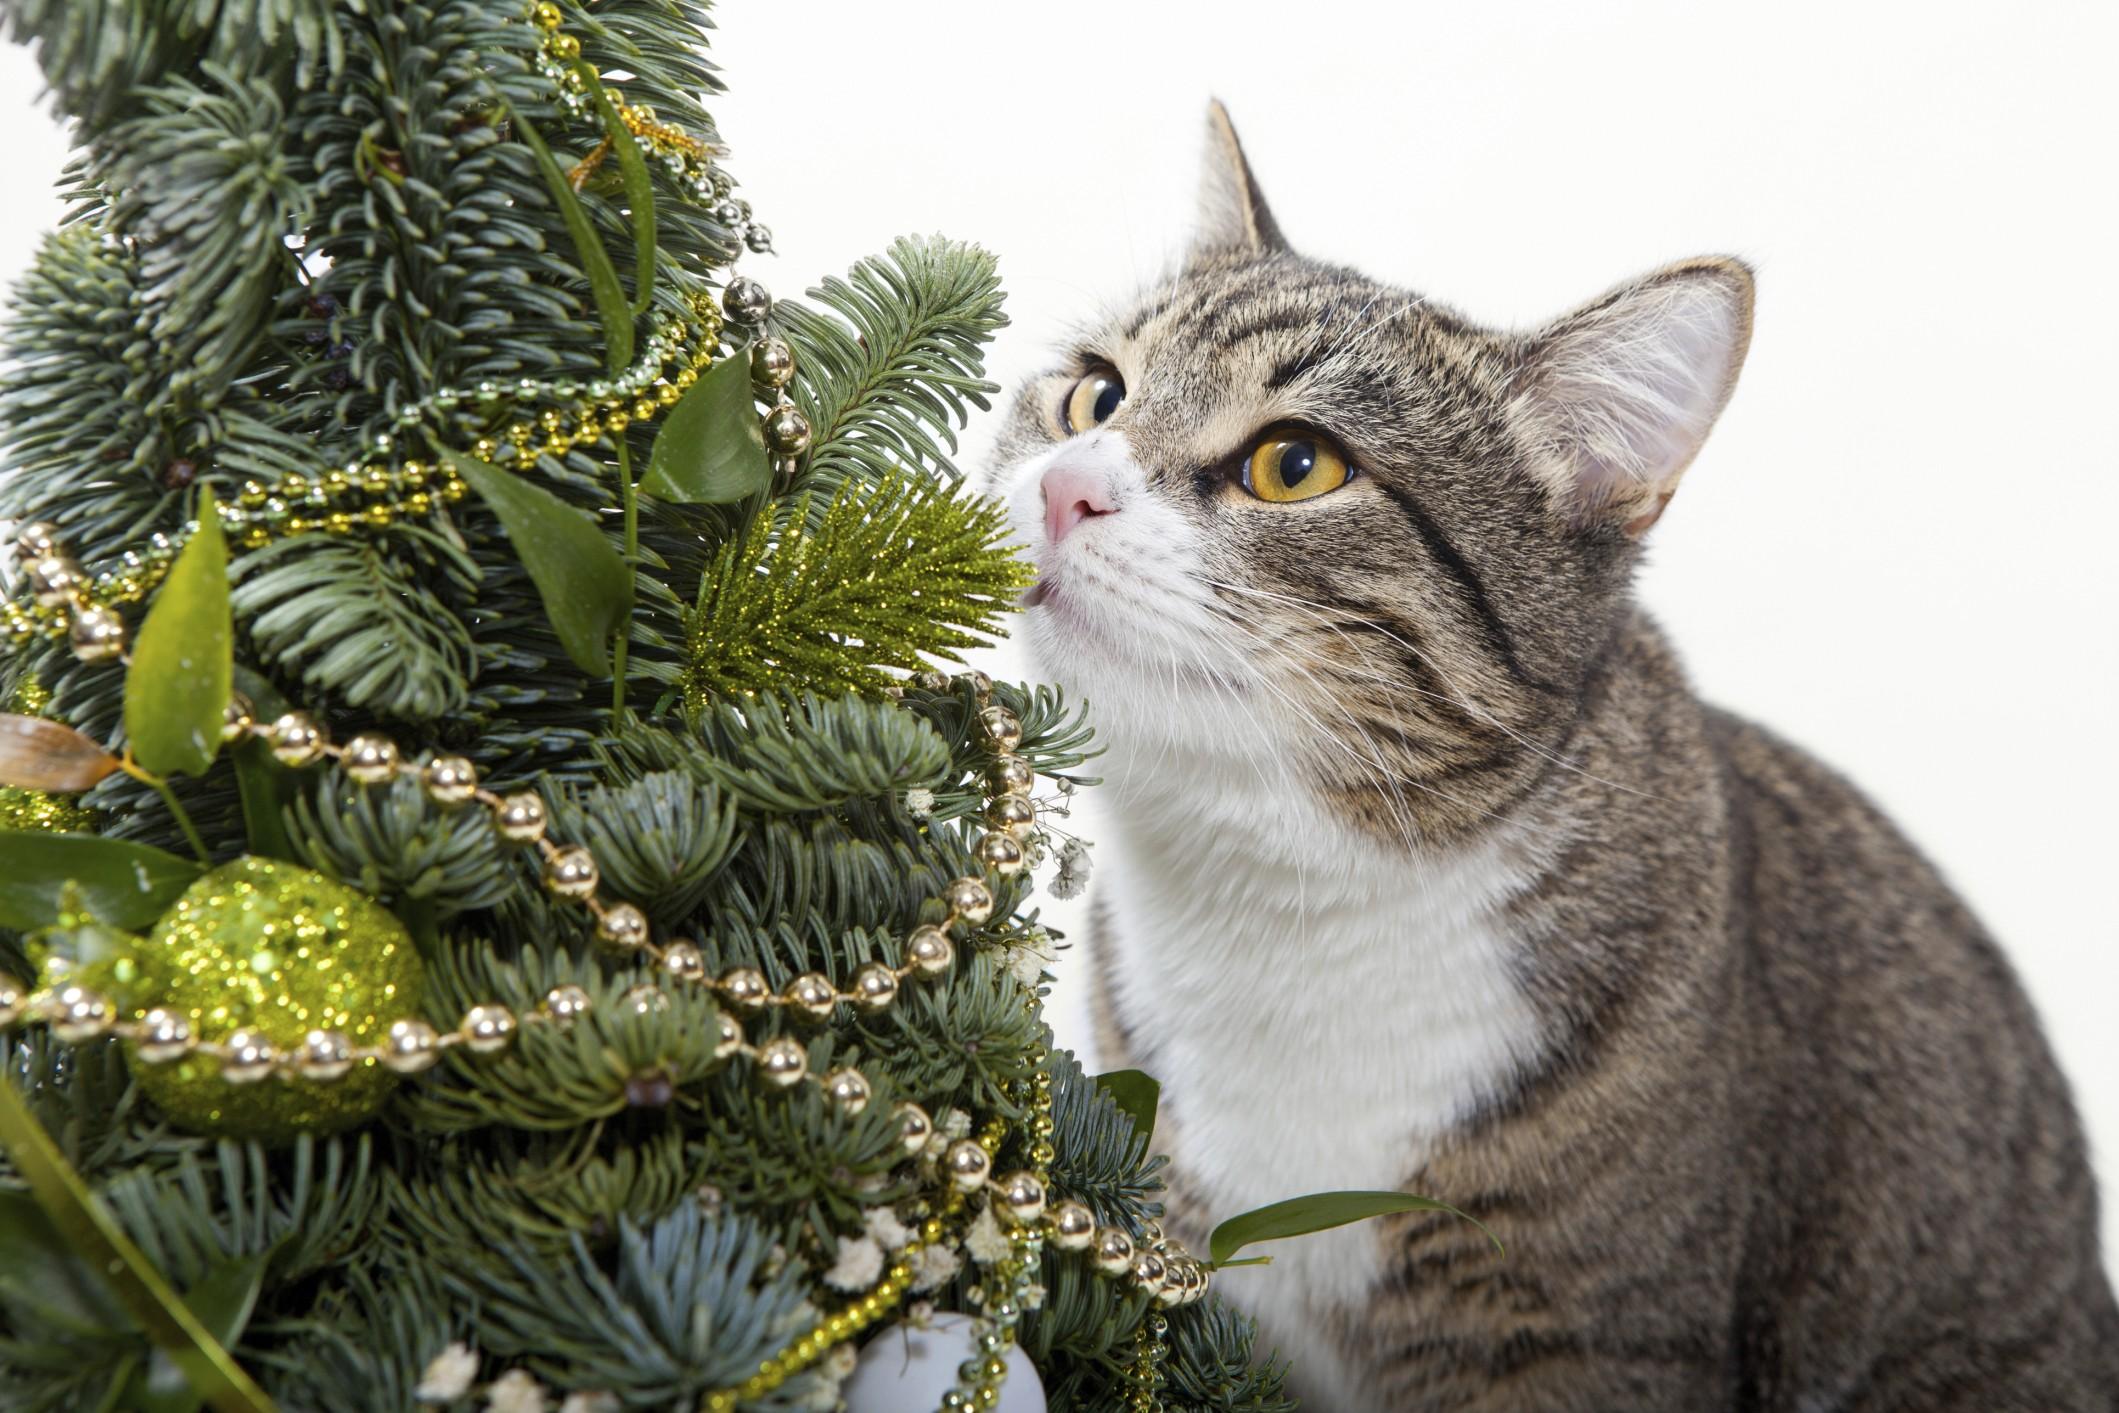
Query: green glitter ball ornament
[{"x": 283, "y": 951}]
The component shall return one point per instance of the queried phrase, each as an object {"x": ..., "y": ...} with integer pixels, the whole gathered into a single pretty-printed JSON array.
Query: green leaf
[
  {"x": 183, "y": 663},
  {"x": 1299, "y": 1216},
  {"x": 1136, "y": 1093},
  {"x": 38, "y": 1271},
  {"x": 711, "y": 449},
  {"x": 265, "y": 787},
  {"x": 223, "y": 1301},
  {"x": 611, "y": 308},
  {"x": 89, "y": 1231},
  {"x": 123, "y": 884},
  {"x": 639, "y": 194},
  {"x": 582, "y": 580}
]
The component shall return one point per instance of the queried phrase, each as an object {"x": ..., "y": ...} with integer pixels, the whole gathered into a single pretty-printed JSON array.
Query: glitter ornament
[{"x": 278, "y": 952}]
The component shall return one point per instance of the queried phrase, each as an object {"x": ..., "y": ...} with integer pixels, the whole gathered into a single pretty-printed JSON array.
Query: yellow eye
[
  {"x": 1093, "y": 400},
  {"x": 1290, "y": 463}
]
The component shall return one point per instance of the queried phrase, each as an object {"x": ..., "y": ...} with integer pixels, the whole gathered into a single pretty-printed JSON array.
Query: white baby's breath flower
[
  {"x": 885, "y": 1228},
  {"x": 448, "y": 1375},
  {"x": 919, "y": 800},
  {"x": 590, "y": 1401},
  {"x": 1030, "y": 956},
  {"x": 515, "y": 1392},
  {"x": 986, "y": 1242},
  {"x": 1033, "y": 1299},
  {"x": 937, "y": 1266},
  {"x": 859, "y": 1265}
]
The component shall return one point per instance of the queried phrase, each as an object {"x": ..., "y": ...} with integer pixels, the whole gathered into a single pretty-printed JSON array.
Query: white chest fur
[{"x": 1319, "y": 1010}]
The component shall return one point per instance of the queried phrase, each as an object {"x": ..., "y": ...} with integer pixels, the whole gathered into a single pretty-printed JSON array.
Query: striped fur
[{"x": 1430, "y": 870}]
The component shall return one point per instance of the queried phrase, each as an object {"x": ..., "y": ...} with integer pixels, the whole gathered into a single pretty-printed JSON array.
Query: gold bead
[
  {"x": 643, "y": 409},
  {"x": 999, "y": 852},
  {"x": 324, "y": 1054},
  {"x": 419, "y": 503},
  {"x": 566, "y": 1002},
  {"x": 379, "y": 515},
  {"x": 566, "y": 46},
  {"x": 338, "y": 522},
  {"x": 685, "y": 378},
  {"x": 236, "y": 720},
  {"x": 55, "y": 579},
  {"x": 483, "y": 448},
  {"x": 729, "y": 1032},
  {"x": 545, "y": 15},
  {"x": 969, "y": 899},
  {"x": 1004, "y": 731},
  {"x": 449, "y": 780},
  {"x": 1014, "y": 775},
  {"x": 1022, "y": 1197},
  {"x": 247, "y": 1057},
  {"x": 616, "y": 421},
  {"x": 1149, "y": 1271},
  {"x": 37, "y": 540},
  {"x": 812, "y": 995},
  {"x": 668, "y": 393},
  {"x": 772, "y": 363},
  {"x": 520, "y": 818},
  {"x": 1071, "y": 1226},
  {"x": 487, "y": 1028},
  {"x": 875, "y": 986},
  {"x": 572, "y": 872},
  {"x": 849, "y": 1089},
  {"x": 297, "y": 740},
  {"x": 454, "y": 489},
  {"x": 1114, "y": 1251},
  {"x": 623, "y": 926},
  {"x": 745, "y": 988},
  {"x": 914, "y": 1127},
  {"x": 787, "y": 430},
  {"x": 929, "y": 951},
  {"x": 256, "y": 537},
  {"x": 966, "y": 1164},
  {"x": 783, "y": 1062},
  {"x": 369, "y": 758},
  {"x": 1014, "y": 814},
  {"x": 163, "y": 1036},
  {"x": 411, "y": 1046},
  {"x": 375, "y": 478},
  {"x": 79, "y": 1014},
  {"x": 683, "y": 961},
  {"x": 97, "y": 634}
]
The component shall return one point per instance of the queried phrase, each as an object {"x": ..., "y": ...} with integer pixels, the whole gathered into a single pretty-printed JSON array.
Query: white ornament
[
  {"x": 448, "y": 1374},
  {"x": 907, "y": 1370}
]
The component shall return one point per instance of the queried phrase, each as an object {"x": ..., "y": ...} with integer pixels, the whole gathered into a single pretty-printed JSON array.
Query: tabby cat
[{"x": 1429, "y": 871}]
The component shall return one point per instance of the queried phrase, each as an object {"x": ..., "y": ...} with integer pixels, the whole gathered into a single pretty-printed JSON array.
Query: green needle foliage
[
  {"x": 292, "y": 221},
  {"x": 822, "y": 603}
]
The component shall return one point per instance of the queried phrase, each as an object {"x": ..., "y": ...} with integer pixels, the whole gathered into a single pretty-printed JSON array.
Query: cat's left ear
[
  {"x": 1618, "y": 396},
  {"x": 1232, "y": 215}
]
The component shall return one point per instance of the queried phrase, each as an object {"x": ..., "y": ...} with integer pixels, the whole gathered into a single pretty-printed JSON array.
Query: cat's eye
[
  {"x": 1293, "y": 463},
  {"x": 1092, "y": 400}
]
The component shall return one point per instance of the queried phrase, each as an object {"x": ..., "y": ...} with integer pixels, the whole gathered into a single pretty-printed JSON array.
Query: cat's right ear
[
  {"x": 1233, "y": 218},
  {"x": 1616, "y": 398}
]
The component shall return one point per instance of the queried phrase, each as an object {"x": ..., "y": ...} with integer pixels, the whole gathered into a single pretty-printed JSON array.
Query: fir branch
[
  {"x": 886, "y": 382},
  {"x": 365, "y": 626},
  {"x": 885, "y": 574}
]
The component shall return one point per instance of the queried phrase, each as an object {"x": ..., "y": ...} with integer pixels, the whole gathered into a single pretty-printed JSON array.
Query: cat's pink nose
[{"x": 1072, "y": 495}]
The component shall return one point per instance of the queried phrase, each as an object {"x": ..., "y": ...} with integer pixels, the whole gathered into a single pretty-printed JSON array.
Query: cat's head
[{"x": 1295, "y": 521}]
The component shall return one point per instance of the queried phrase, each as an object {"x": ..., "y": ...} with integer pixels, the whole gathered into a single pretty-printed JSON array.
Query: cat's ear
[
  {"x": 1232, "y": 215},
  {"x": 1618, "y": 396}
]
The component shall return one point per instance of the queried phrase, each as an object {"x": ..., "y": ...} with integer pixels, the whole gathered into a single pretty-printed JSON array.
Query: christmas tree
[{"x": 498, "y": 908}]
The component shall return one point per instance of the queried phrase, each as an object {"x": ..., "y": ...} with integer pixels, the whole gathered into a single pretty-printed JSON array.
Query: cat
[{"x": 1428, "y": 871}]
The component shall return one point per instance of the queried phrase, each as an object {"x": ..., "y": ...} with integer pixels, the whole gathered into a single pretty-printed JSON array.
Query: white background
[{"x": 1897, "y": 548}]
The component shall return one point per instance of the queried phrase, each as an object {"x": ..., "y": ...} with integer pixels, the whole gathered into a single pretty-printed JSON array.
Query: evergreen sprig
[{"x": 888, "y": 572}]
